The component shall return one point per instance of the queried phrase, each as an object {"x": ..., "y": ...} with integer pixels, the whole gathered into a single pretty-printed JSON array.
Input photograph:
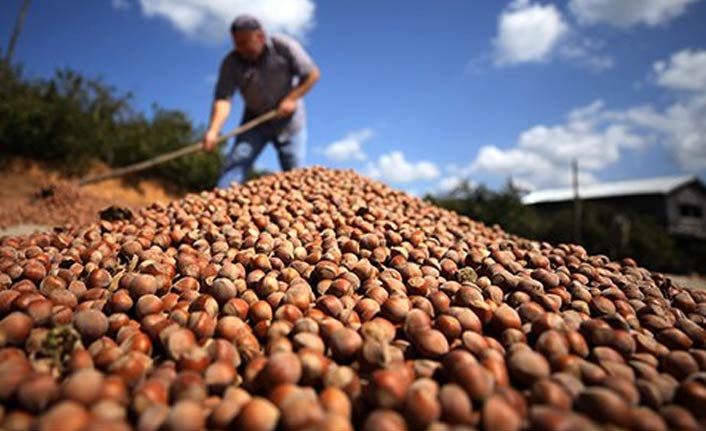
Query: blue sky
[{"x": 420, "y": 95}]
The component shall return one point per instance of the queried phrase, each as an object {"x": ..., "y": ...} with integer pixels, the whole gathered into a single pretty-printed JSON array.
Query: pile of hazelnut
[{"x": 318, "y": 299}]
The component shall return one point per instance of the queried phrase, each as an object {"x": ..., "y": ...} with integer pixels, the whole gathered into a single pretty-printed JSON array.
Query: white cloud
[
  {"x": 210, "y": 19},
  {"x": 625, "y": 13},
  {"x": 452, "y": 185},
  {"x": 598, "y": 137},
  {"x": 394, "y": 168},
  {"x": 509, "y": 162},
  {"x": 528, "y": 32},
  {"x": 531, "y": 32},
  {"x": 684, "y": 126},
  {"x": 680, "y": 127},
  {"x": 685, "y": 70},
  {"x": 586, "y": 52},
  {"x": 348, "y": 148},
  {"x": 527, "y": 169},
  {"x": 591, "y": 134},
  {"x": 120, "y": 4},
  {"x": 448, "y": 184}
]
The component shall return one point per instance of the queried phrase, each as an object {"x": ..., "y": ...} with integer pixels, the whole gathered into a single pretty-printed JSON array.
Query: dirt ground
[{"x": 34, "y": 197}]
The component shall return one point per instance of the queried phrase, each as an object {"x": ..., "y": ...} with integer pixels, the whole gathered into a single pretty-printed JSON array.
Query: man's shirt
[{"x": 264, "y": 83}]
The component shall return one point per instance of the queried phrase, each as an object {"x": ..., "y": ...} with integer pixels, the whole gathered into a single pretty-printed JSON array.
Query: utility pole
[
  {"x": 16, "y": 32},
  {"x": 577, "y": 202}
]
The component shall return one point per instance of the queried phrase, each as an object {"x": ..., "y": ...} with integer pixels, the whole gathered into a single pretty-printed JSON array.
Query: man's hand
[
  {"x": 286, "y": 107},
  {"x": 209, "y": 140}
]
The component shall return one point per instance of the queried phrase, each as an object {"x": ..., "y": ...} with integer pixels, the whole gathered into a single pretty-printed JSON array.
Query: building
[{"x": 678, "y": 203}]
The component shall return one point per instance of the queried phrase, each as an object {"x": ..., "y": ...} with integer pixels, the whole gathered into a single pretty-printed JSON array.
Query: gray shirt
[{"x": 263, "y": 84}]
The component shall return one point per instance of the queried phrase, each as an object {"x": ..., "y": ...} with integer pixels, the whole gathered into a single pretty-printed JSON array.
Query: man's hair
[{"x": 245, "y": 22}]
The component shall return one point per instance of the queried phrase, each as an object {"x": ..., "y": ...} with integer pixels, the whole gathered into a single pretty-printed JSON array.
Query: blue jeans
[{"x": 241, "y": 153}]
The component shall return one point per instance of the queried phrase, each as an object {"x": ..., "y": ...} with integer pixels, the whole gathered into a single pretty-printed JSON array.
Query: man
[{"x": 271, "y": 72}]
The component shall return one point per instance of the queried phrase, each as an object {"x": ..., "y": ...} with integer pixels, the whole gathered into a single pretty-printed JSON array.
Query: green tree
[
  {"x": 71, "y": 121},
  {"x": 649, "y": 242},
  {"x": 502, "y": 207}
]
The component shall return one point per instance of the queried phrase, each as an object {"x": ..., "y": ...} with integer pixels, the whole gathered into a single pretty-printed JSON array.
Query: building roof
[{"x": 647, "y": 186}]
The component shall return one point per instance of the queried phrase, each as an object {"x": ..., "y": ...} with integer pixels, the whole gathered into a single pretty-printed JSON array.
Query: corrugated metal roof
[{"x": 647, "y": 186}]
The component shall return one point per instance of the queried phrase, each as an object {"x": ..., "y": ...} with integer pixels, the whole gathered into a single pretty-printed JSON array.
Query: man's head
[{"x": 248, "y": 36}]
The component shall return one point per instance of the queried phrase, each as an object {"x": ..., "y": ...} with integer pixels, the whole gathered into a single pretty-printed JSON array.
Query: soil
[{"x": 36, "y": 197}]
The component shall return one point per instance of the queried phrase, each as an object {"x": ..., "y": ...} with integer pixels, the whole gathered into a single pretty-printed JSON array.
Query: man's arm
[
  {"x": 303, "y": 66},
  {"x": 289, "y": 104},
  {"x": 223, "y": 94},
  {"x": 219, "y": 115}
]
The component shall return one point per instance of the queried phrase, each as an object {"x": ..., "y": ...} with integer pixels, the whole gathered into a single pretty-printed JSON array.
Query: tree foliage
[
  {"x": 648, "y": 241},
  {"x": 502, "y": 207},
  {"x": 70, "y": 120}
]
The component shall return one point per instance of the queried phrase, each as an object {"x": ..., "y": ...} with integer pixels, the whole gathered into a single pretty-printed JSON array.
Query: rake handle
[{"x": 181, "y": 152}]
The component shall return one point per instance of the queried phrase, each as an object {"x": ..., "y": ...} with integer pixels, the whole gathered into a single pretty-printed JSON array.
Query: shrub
[
  {"x": 649, "y": 242},
  {"x": 69, "y": 121}
]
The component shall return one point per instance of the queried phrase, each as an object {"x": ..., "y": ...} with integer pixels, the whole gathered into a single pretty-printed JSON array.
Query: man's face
[{"x": 249, "y": 44}]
